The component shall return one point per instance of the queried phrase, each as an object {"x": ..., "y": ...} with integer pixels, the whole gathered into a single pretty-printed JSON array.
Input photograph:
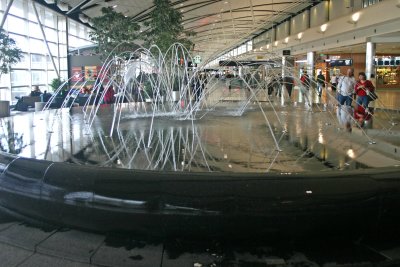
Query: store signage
[
  {"x": 228, "y": 63},
  {"x": 286, "y": 52},
  {"x": 341, "y": 62},
  {"x": 191, "y": 64}
]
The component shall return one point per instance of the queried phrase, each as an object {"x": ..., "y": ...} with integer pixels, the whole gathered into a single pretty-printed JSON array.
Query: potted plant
[{"x": 55, "y": 85}]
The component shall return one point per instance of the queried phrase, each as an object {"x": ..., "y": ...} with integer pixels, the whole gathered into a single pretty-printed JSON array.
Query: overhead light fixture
[
  {"x": 299, "y": 36},
  {"x": 50, "y": 1},
  {"x": 286, "y": 40},
  {"x": 276, "y": 43},
  {"x": 354, "y": 18},
  {"x": 62, "y": 6},
  {"x": 322, "y": 28}
]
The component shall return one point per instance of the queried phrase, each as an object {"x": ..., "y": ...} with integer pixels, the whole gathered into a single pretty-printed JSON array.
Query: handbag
[{"x": 372, "y": 95}]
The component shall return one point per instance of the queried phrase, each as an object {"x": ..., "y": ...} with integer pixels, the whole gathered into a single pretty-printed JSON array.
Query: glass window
[
  {"x": 23, "y": 64},
  {"x": 21, "y": 42},
  {"x": 31, "y": 12},
  {"x": 51, "y": 35},
  {"x": 16, "y": 25},
  {"x": 49, "y": 19},
  {"x": 64, "y": 75},
  {"x": 53, "y": 49},
  {"x": 5, "y": 80},
  {"x": 38, "y": 61},
  {"x": 17, "y": 8},
  {"x": 63, "y": 63},
  {"x": 50, "y": 63},
  {"x": 34, "y": 30},
  {"x": 38, "y": 77},
  {"x": 37, "y": 46},
  {"x": 50, "y": 76},
  {"x": 19, "y": 77},
  {"x": 63, "y": 50},
  {"x": 72, "y": 28}
]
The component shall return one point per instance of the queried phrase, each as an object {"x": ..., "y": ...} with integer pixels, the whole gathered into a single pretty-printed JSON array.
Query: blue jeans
[
  {"x": 363, "y": 100},
  {"x": 345, "y": 99}
]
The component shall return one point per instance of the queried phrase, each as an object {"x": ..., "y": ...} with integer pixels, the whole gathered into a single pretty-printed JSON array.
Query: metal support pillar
[
  {"x": 45, "y": 40},
  {"x": 6, "y": 13},
  {"x": 369, "y": 59},
  {"x": 310, "y": 65}
]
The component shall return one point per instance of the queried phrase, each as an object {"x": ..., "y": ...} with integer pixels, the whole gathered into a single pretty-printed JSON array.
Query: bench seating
[{"x": 30, "y": 100}]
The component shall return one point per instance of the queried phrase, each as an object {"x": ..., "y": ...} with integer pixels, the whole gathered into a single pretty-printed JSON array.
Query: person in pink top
[{"x": 362, "y": 89}]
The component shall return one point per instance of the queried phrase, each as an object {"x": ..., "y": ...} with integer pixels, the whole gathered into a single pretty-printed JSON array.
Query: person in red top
[
  {"x": 109, "y": 96},
  {"x": 362, "y": 89}
]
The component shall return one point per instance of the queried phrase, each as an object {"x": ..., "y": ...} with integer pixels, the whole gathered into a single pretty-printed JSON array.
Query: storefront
[{"x": 387, "y": 72}]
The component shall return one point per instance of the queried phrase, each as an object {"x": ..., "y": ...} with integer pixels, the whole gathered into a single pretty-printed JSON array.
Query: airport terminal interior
[{"x": 200, "y": 133}]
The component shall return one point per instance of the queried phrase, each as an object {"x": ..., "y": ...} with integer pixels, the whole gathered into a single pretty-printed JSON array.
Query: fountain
[{"x": 204, "y": 156}]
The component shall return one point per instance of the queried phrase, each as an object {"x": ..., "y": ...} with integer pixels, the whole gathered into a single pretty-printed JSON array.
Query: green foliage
[
  {"x": 114, "y": 30},
  {"x": 166, "y": 27},
  {"x": 56, "y": 83},
  {"x": 9, "y": 52}
]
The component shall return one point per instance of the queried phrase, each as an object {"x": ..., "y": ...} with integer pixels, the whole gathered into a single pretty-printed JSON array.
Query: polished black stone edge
[{"x": 202, "y": 204}]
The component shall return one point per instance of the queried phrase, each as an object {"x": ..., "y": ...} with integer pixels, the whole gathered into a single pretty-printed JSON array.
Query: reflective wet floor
[
  {"x": 27, "y": 244},
  {"x": 278, "y": 135}
]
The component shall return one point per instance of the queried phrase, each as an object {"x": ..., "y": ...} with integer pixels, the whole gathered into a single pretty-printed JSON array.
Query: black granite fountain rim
[
  {"x": 6, "y": 159},
  {"x": 209, "y": 204}
]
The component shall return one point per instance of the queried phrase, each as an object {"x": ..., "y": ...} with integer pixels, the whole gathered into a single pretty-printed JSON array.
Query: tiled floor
[{"x": 27, "y": 245}]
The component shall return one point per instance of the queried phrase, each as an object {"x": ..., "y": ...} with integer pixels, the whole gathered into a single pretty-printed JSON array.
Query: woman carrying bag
[{"x": 364, "y": 90}]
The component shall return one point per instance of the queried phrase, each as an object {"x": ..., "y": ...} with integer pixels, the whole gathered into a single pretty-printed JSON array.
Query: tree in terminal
[
  {"x": 9, "y": 53},
  {"x": 114, "y": 33},
  {"x": 165, "y": 27}
]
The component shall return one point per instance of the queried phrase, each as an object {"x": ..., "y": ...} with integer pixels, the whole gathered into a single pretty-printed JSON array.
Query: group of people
[
  {"x": 306, "y": 83},
  {"x": 348, "y": 88}
]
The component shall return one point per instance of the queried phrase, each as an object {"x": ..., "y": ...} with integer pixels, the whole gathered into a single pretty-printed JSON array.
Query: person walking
[
  {"x": 363, "y": 88},
  {"x": 334, "y": 80},
  {"x": 305, "y": 88},
  {"x": 320, "y": 83},
  {"x": 288, "y": 82},
  {"x": 346, "y": 87}
]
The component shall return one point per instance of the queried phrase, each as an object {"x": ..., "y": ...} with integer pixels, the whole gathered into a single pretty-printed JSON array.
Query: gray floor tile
[
  {"x": 71, "y": 244},
  {"x": 189, "y": 260},
  {"x": 136, "y": 253},
  {"x": 12, "y": 256},
  {"x": 24, "y": 236},
  {"x": 40, "y": 260}
]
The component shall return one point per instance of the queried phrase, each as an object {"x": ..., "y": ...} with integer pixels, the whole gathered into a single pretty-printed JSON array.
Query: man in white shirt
[{"x": 345, "y": 88}]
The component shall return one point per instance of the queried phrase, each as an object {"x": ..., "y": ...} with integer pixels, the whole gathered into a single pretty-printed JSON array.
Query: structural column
[
  {"x": 287, "y": 71},
  {"x": 287, "y": 65},
  {"x": 310, "y": 64},
  {"x": 369, "y": 59}
]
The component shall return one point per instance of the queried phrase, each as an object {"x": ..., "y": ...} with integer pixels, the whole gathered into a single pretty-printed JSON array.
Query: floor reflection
[{"x": 297, "y": 139}]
